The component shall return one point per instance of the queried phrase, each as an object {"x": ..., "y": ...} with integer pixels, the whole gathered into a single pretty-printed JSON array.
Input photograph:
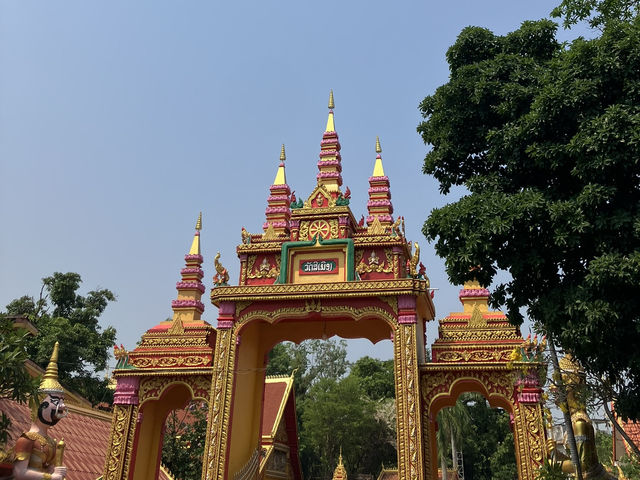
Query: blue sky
[{"x": 120, "y": 121}]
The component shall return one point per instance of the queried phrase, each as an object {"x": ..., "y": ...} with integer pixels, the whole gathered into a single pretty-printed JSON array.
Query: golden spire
[
  {"x": 281, "y": 178},
  {"x": 195, "y": 245},
  {"x": 331, "y": 127},
  {"x": 378, "y": 169},
  {"x": 49, "y": 383},
  {"x": 340, "y": 473}
]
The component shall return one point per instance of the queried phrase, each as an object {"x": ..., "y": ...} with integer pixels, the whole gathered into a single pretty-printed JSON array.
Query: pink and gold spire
[
  {"x": 188, "y": 308},
  {"x": 278, "y": 211},
  {"x": 329, "y": 166},
  {"x": 379, "y": 204}
]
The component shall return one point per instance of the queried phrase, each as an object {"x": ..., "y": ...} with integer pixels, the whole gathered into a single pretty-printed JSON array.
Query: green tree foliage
[
  {"x": 598, "y": 13},
  {"x": 489, "y": 452},
  {"x": 355, "y": 412},
  {"x": 336, "y": 414},
  {"x": 482, "y": 434},
  {"x": 15, "y": 382},
  {"x": 183, "y": 443},
  {"x": 61, "y": 314},
  {"x": 546, "y": 139},
  {"x": 375, "y": 377}
]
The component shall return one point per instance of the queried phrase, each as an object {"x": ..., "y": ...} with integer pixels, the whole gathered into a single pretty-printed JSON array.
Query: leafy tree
[
  {"x": 546, "y": 139},
  {"x": 354, "y": 412},
  {"x": 15, "y": 382},
  {"x": 489, "y": 452},
  {"x": 61, "y": 314},
  {"x": 336, "y": 414},
  {"x": 184, "y": 439},
  {"x": 597, "y": 12},
  {"x": 375, "y": 377},
  {"x": 454, "y": 424}
]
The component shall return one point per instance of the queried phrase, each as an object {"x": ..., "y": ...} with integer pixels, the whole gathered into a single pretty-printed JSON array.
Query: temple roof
[
  {"x": 279, "y": 425},
  {"x": 86, "y": 435}
]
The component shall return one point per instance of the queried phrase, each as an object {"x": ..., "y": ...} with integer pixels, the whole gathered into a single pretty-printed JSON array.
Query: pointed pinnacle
[
  {"x": 199, "y": 222},
  {"x": 331, "y": 104},
  {"x": 283, "y": 156},
  {"x": 378, "y": 148}
]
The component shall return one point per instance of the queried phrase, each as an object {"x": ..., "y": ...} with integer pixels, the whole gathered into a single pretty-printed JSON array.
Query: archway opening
[
  {"x": 342, "y": 407},
  {"x": 152, "y": 418},
  {"x": 185, "y": 431},
  {"x": 474, "y": 439},
  {"x": 327, "y": 381}
]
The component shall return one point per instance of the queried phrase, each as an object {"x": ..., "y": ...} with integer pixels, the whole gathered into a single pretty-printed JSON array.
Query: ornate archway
[
  {"x": 315, "y": 272},
  {"x": 170, "y": 367},
  {"x": 479, "y": 351}
]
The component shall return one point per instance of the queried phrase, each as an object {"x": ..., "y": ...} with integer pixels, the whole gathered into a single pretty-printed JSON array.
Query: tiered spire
[
  {"x": 188, "y": 308},
  {"x": 329, "y": 166},
  {"x": 340, "y": 473},
  {"x": 379, "y": 204},
  {"x": 278, "y": 211},
  {"x": 50, "y": 383}
]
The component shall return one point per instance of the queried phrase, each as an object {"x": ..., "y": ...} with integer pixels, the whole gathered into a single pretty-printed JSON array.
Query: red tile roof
[
  {"x": 388, "y": 474},
  {"x": 273, "y": 400},
  {"x": 633, "y": 430},
  {"x": 85, "y": 433}
]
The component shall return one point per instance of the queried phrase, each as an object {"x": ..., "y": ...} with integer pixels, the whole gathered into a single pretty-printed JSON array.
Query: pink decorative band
[
  {"x": 197, "y": 304},
  {"x": 407, "y": 319},
  {"x": 265, "y": 225},
  {"x": 197, "y": 271},
  {"x": 379, "y": 179},
  {"x": 328, "y": 139},
  {"x": 193, "y": 256},
  {"x": 278, "y": 188},
  {"x": 277, "y": 210},
  {"x": 328, "y": 175},
  {"x": 278, "y": 198},
  {"x": 475, "y": 292},
  {"x": 382, "y": 218},
  {"x": 379, "y": 203},
  {"x": 330, "y": 163},
  {"x": 225, "y": 324},
  {"x": 190, "y": 286},
  {"x": 329, "y": 153},
  {"x": 529, "y": 397},
  {"x": 378, "y": 189}
]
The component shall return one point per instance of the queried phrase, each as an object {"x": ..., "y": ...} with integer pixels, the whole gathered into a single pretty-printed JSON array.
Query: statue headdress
[{"x": 50, "y": 383}]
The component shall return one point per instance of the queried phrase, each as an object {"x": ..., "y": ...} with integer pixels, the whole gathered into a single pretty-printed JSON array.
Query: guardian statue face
[{"x": 52, "y": 409}]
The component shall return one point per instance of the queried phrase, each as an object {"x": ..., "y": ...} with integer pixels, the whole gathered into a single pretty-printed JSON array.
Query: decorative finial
[
  {"x": 50, "y": 383},
  {"x": 283, "y": 156},
  {"x": 378, "y": 169},
  {"x": 331, "y": 104},
  {"x": 195, "y": 245}
]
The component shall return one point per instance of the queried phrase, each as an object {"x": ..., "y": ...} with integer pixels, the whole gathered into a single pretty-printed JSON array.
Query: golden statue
[
  {"x": 36, "y": 455},
  {"x": 592, "y": 469}
]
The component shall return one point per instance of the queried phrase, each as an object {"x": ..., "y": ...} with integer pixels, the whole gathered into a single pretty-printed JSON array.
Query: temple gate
[
  {"x": 315, "y": 272},
  {"x": 170, "y": 367},
  {"x": 479, "y": 351}
]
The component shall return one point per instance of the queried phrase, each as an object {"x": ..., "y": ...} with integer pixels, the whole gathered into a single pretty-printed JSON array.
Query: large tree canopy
[
  {"x": 61, "y": 314},
  {"x": 546, "y": 138}
]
